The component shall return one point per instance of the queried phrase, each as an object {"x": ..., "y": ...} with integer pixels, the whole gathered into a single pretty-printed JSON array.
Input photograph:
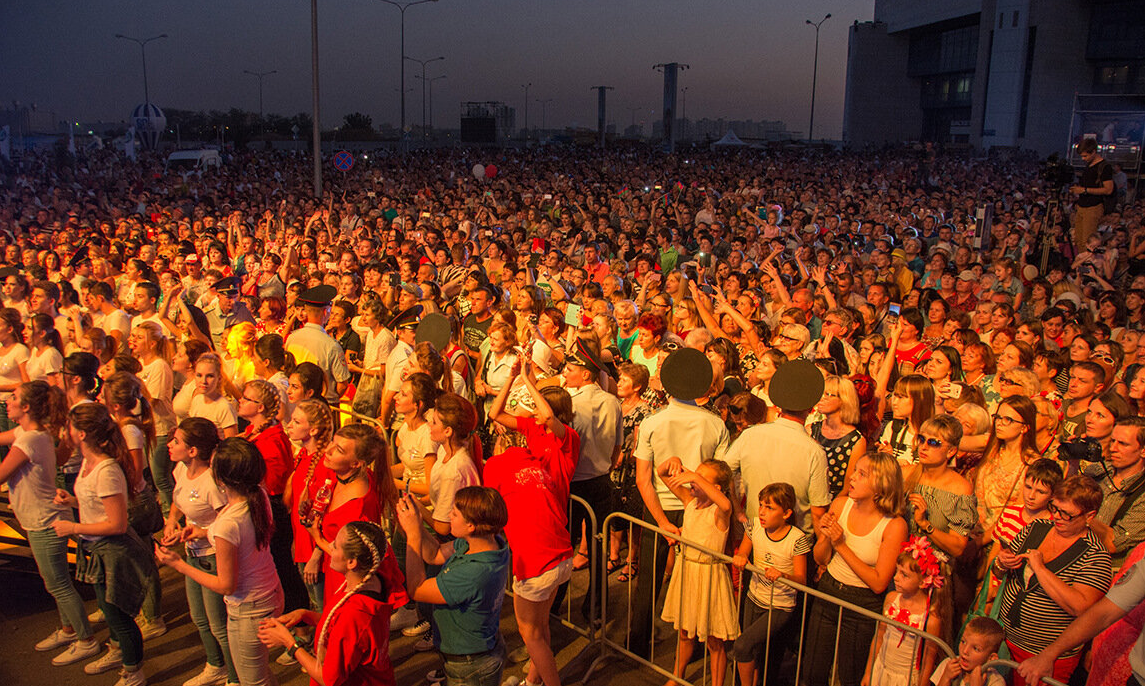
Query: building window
[
  {"x": 1014, "y": 24},
  {"x": 1113, "y": 76}
]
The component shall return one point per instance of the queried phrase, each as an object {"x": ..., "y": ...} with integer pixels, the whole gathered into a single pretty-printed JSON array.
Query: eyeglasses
[
  {"x": 1008, "y": 381},
  {"x": 1003, "y": 420},
  {"x": 931, "y": 441},
  {"x": 829, "y": 394},
  {"x": 1061, "y": 514},
  {"x": 252, "y": 400}
]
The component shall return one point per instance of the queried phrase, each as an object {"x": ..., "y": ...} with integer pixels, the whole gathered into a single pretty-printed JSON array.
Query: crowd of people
[{"x": 916, "y": 384}]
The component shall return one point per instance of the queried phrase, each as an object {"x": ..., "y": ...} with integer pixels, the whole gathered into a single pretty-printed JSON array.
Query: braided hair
[
  {"x": 268, "y": 397},
  {"x": 320, "y": 417},
  {"x": 365, "y": 543}
]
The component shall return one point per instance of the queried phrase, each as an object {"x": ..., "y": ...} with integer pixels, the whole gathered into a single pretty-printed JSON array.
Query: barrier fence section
[
  {"x": 1005, "y": 665},
  {"x": 618, "y": 637}
]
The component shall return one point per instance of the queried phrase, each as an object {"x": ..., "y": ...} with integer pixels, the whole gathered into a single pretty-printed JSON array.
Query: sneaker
[
  {"x": 78, "y": 650},
  {"x": 96, "y": 617},
  {"x": 58, "y": 639},
  {"x": 210, "y": 676},
  {"x": 110, "y": 660},
  {"x": 405, "y": 617},
  {"x": 416, "y": 629},
  {"x": 283, "y": 659},
  {"x": 423, "y": 644},
  {"x": 133, "y": 678},
  {"x": 512, "y": 681},
  {"x": 153, "y": 629},
  {"x": 436, "y": 676}
]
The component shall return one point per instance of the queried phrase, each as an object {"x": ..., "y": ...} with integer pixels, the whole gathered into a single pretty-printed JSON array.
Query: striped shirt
[{"x": 1038, "y": 619}]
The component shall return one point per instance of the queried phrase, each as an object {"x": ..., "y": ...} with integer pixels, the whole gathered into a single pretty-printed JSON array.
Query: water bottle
[{"x": 321, "y": 502}]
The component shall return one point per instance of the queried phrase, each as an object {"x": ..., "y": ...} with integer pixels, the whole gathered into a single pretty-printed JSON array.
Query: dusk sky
[{"x": 750, "y": 59}]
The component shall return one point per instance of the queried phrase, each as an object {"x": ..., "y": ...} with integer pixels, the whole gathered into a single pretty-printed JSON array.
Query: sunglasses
[{"x": 931, "y": 441}]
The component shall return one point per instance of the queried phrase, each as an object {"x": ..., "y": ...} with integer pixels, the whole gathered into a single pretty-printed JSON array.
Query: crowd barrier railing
[
  {"x": 1004, "y": 666},
  {"x": 616, "y": 637}
]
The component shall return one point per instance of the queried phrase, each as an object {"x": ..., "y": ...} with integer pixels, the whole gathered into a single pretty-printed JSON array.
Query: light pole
[
  {"x": 814, "y": 76},
  {"x": 143, "y": 52},
  {"x": 526, "y": 87},
  {"x": 423, "y": 63},
  {"x": 259, "y": 75},
  {"x": 315, "y": 127},
  {"x": 402, "y": 7},
  {"x": 430, "y": 82},
  {"x": 684, "y": 111},
  {"x": 544, "y": 104}
]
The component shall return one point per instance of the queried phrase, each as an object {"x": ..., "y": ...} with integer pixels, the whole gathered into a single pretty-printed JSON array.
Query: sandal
[
  {"x": 628, "y": 574},
  {"x": 614, "y": 564}
]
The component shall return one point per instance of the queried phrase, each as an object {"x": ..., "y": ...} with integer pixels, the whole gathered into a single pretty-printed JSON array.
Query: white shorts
[{"x": 541, "y": 587}]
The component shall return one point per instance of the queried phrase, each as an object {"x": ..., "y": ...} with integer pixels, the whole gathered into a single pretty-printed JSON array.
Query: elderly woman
[
  {"x": 1055, "y": 570},
  {"x": 647, "y": 351},
  {"x": 630, "y": 388},
  {"x": 791, "y": 339}
]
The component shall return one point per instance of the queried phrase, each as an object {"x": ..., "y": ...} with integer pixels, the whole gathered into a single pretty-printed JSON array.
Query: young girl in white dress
[
  {"x": 895, "y": 657},
  {"x": 708, "y": 613}
]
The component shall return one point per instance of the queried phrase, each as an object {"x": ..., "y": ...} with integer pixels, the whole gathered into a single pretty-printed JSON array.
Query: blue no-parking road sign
[{"x": 343, "y": 160}]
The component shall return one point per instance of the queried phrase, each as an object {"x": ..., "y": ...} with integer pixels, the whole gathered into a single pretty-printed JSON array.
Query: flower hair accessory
[{"x": 929, "y": 561}]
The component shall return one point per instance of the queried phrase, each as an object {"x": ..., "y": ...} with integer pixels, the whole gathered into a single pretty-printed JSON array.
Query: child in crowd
[
  {"x": 894, "y": 657},
  {"x": 779, "y": 549},
  {"x": 708, "y": 613},
  {"x": 980, "y": 641}
]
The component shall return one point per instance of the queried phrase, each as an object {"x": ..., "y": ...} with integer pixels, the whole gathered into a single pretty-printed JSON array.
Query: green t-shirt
[{"x": 473, "y": 586}]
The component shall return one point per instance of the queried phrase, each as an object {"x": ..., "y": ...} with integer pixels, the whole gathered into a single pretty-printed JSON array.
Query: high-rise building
[{"x": 989, "y": 73}]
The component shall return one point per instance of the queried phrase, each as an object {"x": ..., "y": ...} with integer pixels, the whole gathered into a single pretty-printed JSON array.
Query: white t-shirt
[
  {"x": 779, "y": 554},
  {"x": 413, "y": 446},
  {"x": 992, "y": 677},
  {"x": 33, "y": 487},
  {"x": 105, "y": 479},
  {"x": 199, "y": 499},
  {"x": 256, "y": 577},
  {"x": 41, "y": 364},
  {"x": 220, "y": 411},
  {"x": 10, "y": 367},
  {"x": 159, "y": 379},
  {"x": 137, "y": 440},
  {"x": 116, "y": 320},
  {"x": 447, "y": 478}
]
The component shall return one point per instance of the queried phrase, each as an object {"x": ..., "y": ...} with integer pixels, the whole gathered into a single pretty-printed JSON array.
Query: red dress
[
  {"x": 358, "y": 643},
  {"x": 534, "y": 482},
  {"x": 274, "y": 447},
  {"x": 303, "y": 544},
  {"x": 367, "y": 508}
]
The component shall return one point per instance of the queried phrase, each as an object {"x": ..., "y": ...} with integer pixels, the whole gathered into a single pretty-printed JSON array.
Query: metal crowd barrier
[
  {"x": 1004, "y": 666},
  {"x": 616, "y": 639}
]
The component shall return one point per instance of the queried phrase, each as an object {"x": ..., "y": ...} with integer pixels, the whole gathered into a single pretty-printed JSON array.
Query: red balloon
[{"x": 490, "y": 170}]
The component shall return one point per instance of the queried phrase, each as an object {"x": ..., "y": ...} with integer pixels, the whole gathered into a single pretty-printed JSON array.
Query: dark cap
[
  {"x": 79, "y": 257},
  {"x": 407, "y": 318},
  {"x": 797, "y": 386},
  {"x": 228, "y": 285},
  {"x": 584, "y": 356},
  {"x": 686, "y": 374},
  {"x": 319, "y": 296},
  {"x": 434, "y": 328}
]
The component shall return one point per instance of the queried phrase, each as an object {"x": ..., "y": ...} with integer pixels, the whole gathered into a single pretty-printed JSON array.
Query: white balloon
[{"x": 479, "y": 171}]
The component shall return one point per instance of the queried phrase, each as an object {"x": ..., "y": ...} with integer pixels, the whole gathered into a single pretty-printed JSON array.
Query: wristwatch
[
  {"x": 928, "y": 529},
  {"x": 294, "y": 648}
]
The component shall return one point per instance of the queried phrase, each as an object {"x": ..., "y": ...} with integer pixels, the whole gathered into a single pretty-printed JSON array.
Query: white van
[{"x": 193, "y": 160}]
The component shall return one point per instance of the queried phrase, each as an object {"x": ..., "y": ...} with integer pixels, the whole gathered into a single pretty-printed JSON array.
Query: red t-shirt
[
  {"x": 534, "y": 482},
  {"x": 367, "y": 508},
  {"x": 275, "y": 449},
  {"x": 303, "y": 544},
  {"x": 358, "y": 643}
]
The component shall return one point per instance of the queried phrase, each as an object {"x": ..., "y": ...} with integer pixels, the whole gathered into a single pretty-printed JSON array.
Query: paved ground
[{"x": 27, "y": 614}]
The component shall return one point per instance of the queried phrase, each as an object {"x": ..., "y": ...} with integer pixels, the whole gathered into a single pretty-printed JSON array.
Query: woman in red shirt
[
  {"x": 534, "y": 482},
  {"x": 311, "y": 425},
  {"x": 353, "y": 644},
  {"x": 258, "y": 404},
  {"x": 363, "y": 489}
]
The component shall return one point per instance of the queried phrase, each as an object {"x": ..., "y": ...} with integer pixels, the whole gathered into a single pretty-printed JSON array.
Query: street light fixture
[
  {"x": 259, "y": 75},
  {"x": 544, "y": 103},
  {"x": 430, "y": 82},
  {"x": 814, "y": 76},
  {"x": 143, "y": 53},
  {"x": 423, "y": 64},
  {"x": 402, "y": 7}
]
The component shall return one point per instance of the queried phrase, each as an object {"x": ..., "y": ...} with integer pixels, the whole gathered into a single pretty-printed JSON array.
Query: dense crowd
[{"x": 912, "y": 380}]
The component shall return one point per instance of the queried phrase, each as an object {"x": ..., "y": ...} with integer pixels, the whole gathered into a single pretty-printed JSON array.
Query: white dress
[
  {"x": 709, "y": 607},
  {"x": 900, "y": 650}
]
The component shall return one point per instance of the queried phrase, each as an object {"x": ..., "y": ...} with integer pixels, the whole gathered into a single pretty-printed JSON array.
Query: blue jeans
[
  {"x": 161, "y": 472},
  {"x": 316, "y": 591},
  {"x": 51, "y": 554},
  {"x": 209, "y": 613},
  {"x": 483, "y": 670},
  {"x": 249, "y": 654},
  {"x": 123, "y": 629}
]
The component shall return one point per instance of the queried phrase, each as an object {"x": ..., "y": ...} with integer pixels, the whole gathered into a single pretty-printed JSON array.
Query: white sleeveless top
[{"x": 866, "y": 548}]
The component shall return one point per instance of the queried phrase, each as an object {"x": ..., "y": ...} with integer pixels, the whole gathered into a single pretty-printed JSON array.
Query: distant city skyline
[{"x": 749, "y": 60}]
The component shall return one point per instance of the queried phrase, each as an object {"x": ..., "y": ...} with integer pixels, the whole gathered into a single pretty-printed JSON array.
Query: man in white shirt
[
  {"x": 105, "y": 315},
  {"x": 311, "y": 343},
  {"x": 681, "y": 431},
  {"x": 404, "y": 326}
]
